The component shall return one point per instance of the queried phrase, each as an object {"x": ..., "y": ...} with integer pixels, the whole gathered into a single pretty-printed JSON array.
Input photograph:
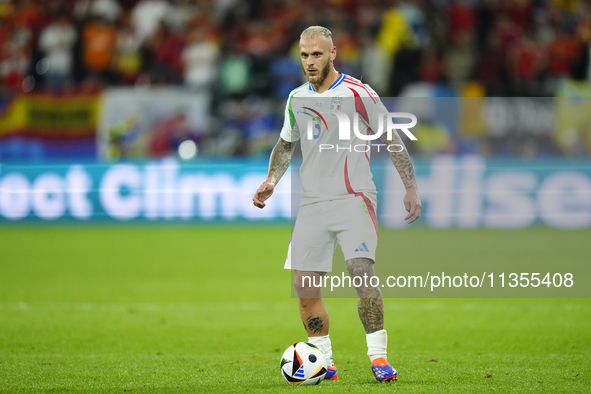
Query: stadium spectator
[
  {"x": 235, "y": 71},
  {"x": 107, "y": 9},
  {"x": 507, "y": 32},
  {"x": 373, "y": 63},
  {"x": 162, "y": 58},
  {"x": 147, "y": 16},
  {"x": 286, "y": 72},
  {"x": 56, "y": 42},
  {"x": 460, "y": 60},
  {"x": 519, "y": 11},
  {"x": 128, "y": 59},
  {"x": 200, "y": 58},
  {"x": 432, "y": 66},
  {"x": 15, "y": 49},
  {"x": 582, "y": 69},
  {"x": 462, "y": 17},
  {"x": 99, "y": 38},
  {"x": 14, "y": 63},
  {"x": 487, "y": 12},
  {"x": 414, "y": 15},
  {"x": 348, "y": 51},
  {"x": 563, "y": 53},
  {"x": 32, "y": 15},
  {"x": 490, "y": 66},
  {"x": 526, "y": 59},
  {"x": 398, "y": 43}
]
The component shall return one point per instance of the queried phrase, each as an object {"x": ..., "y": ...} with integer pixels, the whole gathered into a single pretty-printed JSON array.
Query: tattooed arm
[
  {"x": 403, "y": 164},
  {"x": 280, "y": 158}
]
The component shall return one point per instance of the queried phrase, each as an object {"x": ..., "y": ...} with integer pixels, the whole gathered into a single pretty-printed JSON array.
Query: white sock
[
  {"x": 377, "y": 343},
  {"x": 322, "y": 343}
]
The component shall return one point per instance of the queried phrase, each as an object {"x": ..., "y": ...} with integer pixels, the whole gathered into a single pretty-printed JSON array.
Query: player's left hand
[
  {"x": 262, "y": 194},
  {"x": 412, "y": 203}
]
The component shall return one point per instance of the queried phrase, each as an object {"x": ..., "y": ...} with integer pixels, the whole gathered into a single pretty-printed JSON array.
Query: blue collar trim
[
  {"x": 338, "y": 81},
  {"x": 334, "y": 85}
]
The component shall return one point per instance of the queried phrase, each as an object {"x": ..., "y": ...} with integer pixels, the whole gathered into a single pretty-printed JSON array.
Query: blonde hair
[{"x": 313, "y": 31}]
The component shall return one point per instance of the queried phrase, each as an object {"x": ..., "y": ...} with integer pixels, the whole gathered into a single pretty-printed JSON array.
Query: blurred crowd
[{"x": 245, "y": 52}]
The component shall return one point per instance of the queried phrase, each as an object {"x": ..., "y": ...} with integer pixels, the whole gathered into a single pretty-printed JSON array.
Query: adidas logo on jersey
[{"x": 362, "y": 248}]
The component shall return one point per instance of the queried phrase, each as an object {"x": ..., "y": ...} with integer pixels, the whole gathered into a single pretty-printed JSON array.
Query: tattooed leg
[
  {"x": 312, "y": 309},
  {"x": 370, "y": 304}
]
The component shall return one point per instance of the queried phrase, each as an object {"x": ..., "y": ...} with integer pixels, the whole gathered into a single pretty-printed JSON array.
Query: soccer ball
[{"x": 303, "y": 363}]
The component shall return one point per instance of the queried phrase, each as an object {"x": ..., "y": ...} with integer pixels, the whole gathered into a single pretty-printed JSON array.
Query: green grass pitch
[{"x": 208, "y": 309}]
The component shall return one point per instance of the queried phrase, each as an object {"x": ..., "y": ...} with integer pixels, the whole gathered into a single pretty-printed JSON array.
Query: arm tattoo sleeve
[
  {"x": 401, "y": 159},
  {"x": 280, "y": 158}
]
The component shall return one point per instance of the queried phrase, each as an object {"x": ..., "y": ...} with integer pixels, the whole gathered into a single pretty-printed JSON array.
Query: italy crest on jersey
[{"x": 336, "y": 103}]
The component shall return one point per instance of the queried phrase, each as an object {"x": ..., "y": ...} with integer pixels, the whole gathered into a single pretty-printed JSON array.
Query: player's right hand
[{"x": 262, "y": 194}]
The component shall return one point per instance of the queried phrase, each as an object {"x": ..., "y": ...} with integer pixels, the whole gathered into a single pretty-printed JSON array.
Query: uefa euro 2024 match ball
[{"x": 303, "y": 364}]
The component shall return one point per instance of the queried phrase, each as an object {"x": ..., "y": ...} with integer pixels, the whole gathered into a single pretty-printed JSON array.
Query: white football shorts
[{"x": 350, "y": 221}]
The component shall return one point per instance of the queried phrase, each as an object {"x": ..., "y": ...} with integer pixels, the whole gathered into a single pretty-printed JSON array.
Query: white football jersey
[{"x": 334, "y": 168}]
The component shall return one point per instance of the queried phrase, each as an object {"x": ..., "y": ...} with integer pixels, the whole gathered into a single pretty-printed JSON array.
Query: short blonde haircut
[{"x": 313, "y": 31}]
